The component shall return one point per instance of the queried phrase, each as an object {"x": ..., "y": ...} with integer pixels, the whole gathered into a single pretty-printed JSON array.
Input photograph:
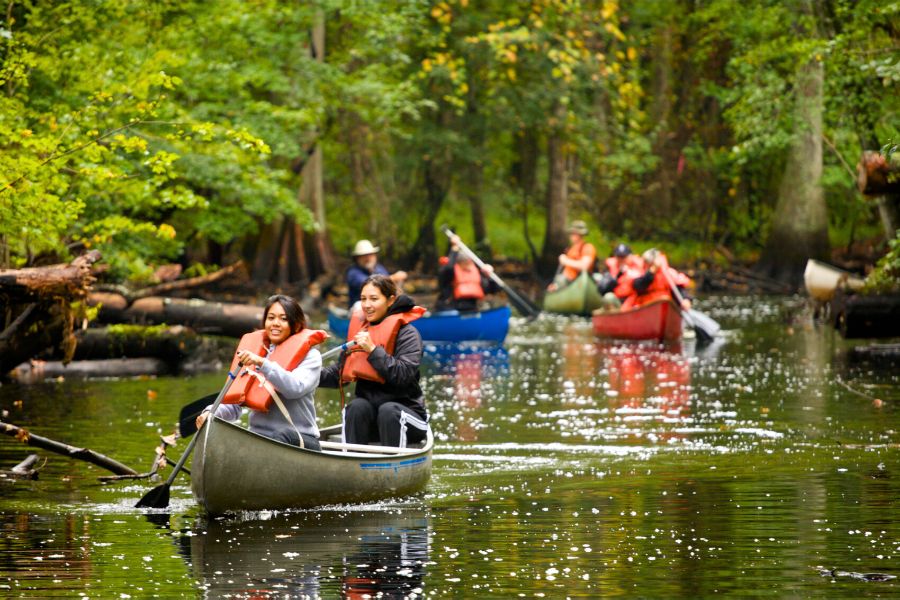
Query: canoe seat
[{"x": 337, "y": 438}]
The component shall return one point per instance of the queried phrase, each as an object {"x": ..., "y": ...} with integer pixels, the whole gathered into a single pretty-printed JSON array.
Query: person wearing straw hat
[
  {"x": 365, "y": 263},
  {"x": 578, "y": 257}
]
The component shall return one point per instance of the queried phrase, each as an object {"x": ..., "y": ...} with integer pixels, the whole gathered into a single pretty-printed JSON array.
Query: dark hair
[
  {"x": 295, "y": 317},
  {"x": 384, "y": 284}
]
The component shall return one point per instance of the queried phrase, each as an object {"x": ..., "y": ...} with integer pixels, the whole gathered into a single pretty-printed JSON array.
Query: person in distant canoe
[
  {"x": 616, "y": 284},
  {"x": 387, "y": 406},
  {"x": 365, "y": 263},
  {"x": 657, "y": 281},
  {"x": 461, "y": 283},
  {"x": 279, "y": 372},
  {"x": 578, "y": 257}
]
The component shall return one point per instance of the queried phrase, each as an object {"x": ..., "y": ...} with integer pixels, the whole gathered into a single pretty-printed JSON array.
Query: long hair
[{"x": 295, "y": 316}]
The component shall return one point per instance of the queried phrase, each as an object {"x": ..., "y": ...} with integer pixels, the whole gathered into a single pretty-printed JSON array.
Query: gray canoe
[{"x": 234, "y": 469}]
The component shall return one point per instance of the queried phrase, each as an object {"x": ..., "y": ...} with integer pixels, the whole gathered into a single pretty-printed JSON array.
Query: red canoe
[{"x": 660, "y": 320}]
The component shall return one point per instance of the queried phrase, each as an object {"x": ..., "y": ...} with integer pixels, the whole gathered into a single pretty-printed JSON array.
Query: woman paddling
[
  {"x": 387, "y": 405},
  {"x": 279, "y": 372}
]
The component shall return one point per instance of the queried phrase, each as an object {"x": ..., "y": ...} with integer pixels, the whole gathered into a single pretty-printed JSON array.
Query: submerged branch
[{"x": 85, "y": 454}]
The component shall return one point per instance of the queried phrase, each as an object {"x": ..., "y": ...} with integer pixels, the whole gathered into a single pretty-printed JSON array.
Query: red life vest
[
  {"x": 467, "y": 282},
  {"x": 576, "y": 252},
  {"x": 357, "y": 366},
  {"x": 632, "y": 268},
  {"x": 251, "y": 390},
  {"x": 660, "y": 288}
]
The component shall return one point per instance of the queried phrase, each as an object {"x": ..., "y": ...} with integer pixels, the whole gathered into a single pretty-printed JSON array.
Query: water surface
[{"x": 564, "y": 467}]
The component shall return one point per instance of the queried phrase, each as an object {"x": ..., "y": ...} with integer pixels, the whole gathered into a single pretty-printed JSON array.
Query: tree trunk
[
  {"x": 557, "y": 209},
  {"x": 524, "y": 172},
  {"x": 320, "y": 251},
  {"x": 800, "y": 225},
  {"x": 473, "y": 191},
  {"x": 265, "y": 252},
  {"x": 423, "y": 255}
]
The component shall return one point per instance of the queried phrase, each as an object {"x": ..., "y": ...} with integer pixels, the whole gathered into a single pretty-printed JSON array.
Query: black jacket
[{"x": 400, "y": 370}]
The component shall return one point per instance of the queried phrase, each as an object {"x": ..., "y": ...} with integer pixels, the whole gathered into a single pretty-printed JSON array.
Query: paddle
[
  {"x": 705, "y": 326},
  {"x": 158, "y": 497},
  {"x": 526, "y": 307},
  {"x": 187, "y": 418}
]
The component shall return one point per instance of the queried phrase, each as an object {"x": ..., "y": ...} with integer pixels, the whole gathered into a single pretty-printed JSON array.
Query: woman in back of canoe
[
  {"x": 387, "y": 405},
  {"x": 279, "y": 372}
]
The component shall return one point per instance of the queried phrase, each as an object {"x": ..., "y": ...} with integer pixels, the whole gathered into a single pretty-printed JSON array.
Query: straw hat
[{"x": 364, "y": 247}]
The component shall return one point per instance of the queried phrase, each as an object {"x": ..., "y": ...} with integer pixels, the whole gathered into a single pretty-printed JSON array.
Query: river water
[{"x": 564, "y": 467}]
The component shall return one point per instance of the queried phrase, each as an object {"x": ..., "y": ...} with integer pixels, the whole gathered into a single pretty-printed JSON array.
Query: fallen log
[
  {"x": 60, "y": 281},
  {"x": 171, "y": 344},
  {"x": 858, "y": 316},
  {"x": 192, "y": 282},
  {"x": 23, "y": 470},
  {"x": 85, "y": 454},
  {"x": 40, "y": 370},
  {"x": 39, "y": 313},
  {"x": 221, "y": 318}
]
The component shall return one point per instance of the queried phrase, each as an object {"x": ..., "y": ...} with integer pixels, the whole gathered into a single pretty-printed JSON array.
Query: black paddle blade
[
  {"x": 706, "y": 327},
  {"x": 158, "y": 497},
  {"x": 187, "y": 418}
]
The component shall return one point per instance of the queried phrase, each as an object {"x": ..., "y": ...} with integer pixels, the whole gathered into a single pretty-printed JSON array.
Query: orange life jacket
[
  {"x": 632, "y": 268},
  {"x": 467, "y": 282},
  {"x": 659, "y": 288},
  {"x": 575, "y": 252},
  {"x": 250, "y": 389},
  {"x": 357, "y": 366}
]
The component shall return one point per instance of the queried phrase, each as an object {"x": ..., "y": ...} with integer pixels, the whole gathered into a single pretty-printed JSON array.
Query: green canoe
[{"x": 579, "y": 297}]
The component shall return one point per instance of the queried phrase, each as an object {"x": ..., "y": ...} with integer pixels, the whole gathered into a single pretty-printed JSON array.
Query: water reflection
[
  {"x": 352, "y": 554},
  {"x": 470, "y": 374}
]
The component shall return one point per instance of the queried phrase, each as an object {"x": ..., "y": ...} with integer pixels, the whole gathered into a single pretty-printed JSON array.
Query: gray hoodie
[{"x": 296, "y": 389}]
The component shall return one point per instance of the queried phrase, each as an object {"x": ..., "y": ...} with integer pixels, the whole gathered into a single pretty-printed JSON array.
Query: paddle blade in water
[
  {"x": 158, "y": 497},
  {"x": 706, "y": 327}
]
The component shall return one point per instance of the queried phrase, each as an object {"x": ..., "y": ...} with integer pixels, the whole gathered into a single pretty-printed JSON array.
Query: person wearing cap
[
  {"x": 617, "y": 283},
  {"x": 657, "y": 281},
  {"x": 578, "y": 257},
  {"x": 461, "y": 284},
  {"x": 365, "y": 263}
]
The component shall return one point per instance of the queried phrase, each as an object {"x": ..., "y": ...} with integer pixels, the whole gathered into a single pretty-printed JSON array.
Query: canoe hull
[
  {"x": 450, "y": 326},
  {"x": 822, "y": 280},
  {"x": 580, "y": 297},
  {"x": 660, "y": 320},
  {"x": 234, "y": 469}
]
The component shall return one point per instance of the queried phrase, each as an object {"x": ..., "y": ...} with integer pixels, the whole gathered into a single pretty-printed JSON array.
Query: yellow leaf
[
  {"x": 632, "y": 53},
  {"x": 511, "y": 73}
]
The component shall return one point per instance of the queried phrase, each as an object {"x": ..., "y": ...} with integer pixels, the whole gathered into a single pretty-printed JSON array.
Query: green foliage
[
  {"x": 147, "y": 128},
  {"x": 885, "y": 278}
]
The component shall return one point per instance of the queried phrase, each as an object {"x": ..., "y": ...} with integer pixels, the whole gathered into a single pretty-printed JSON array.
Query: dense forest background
[{"x": 282, "y": 132}]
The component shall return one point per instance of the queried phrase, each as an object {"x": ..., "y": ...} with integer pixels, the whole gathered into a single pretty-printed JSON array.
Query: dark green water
[{"x": 564, "y": 468}]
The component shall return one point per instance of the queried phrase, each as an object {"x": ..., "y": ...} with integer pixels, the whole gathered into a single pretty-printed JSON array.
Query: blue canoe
[{"x": 446, "y": 326}]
